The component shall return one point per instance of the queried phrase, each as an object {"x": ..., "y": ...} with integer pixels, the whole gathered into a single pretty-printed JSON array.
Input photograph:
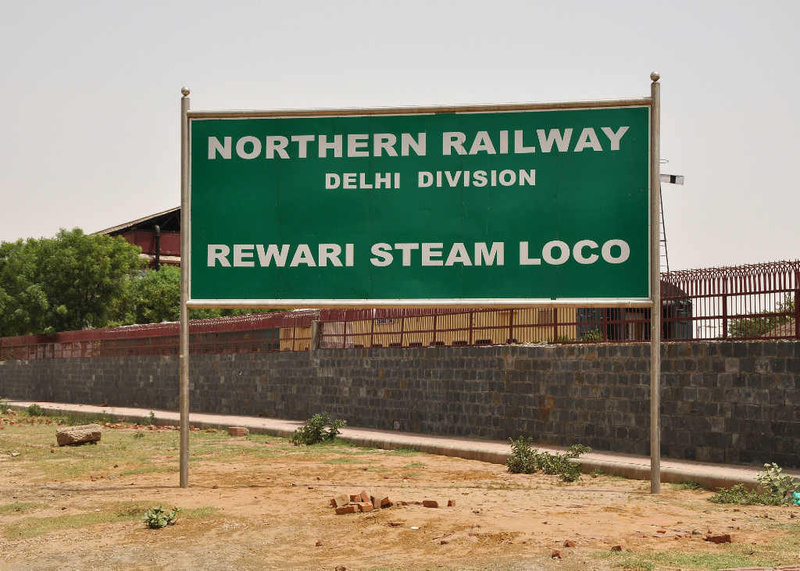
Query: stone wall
[{"x": 721, "y": 402}]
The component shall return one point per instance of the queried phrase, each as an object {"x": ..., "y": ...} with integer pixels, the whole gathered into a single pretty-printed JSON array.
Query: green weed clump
[
  {"x": 525, "y": 459},
  {"x": 318, "y": 428},
  {"x": 4, "y": 407},
  {"x": 156, "y": 518},
  {"x": 78, "y": 418},
  {"x": 775, "y": 489},
  {"x": 35, "y": 410}
]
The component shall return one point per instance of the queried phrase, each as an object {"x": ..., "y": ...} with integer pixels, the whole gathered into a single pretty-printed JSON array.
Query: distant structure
[{"x": 158, "y": 235}]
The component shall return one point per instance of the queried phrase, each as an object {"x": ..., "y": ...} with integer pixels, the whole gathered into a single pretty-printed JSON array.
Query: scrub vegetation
[{"x": 260, "y": 502}]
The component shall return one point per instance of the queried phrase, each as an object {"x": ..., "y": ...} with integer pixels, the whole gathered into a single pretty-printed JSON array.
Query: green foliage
[
  {"x": 593, "y": 336},
  {"x": 688, "y": 486},
  {"x": 318, "y": 428},
  {"x": 75, "y": 281},
  {"x": 156, "y": 518},
  {"x": 523, "y": 456},
  {"x": 777, "y": 484},
  {"x": 776, "y": 489},
  {"x": 525, "y": 459},
  {"x": 738, "y": 494},
  {"x": 35, "y": 410},
  {"x": 65, "y": 283},
  {"x": 154, "y": 296},
  {"x": 4, "y": 407},
  {"x": 151, "y": 297},
  {"x": 77, "y": 418},
  {"x": 759, "y": 326}
]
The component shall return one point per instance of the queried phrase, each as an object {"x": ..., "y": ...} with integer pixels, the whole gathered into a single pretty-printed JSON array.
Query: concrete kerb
[{"x": 710, "y": 476}]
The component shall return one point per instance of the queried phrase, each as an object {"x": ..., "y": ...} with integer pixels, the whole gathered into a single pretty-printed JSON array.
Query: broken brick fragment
[
  {"x": 430, "y": 503},
  {"x": 721, "y": 538},
  {"x": 340, "y": 500},
  {"x": 348, "y": 509}
]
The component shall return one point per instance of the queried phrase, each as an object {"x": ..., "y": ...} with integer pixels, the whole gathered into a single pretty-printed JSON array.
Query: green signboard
[{"x": 510, "y": 205}]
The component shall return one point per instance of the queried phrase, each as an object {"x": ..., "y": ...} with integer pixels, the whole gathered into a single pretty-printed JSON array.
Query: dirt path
[{"x": 259, "y": 503}]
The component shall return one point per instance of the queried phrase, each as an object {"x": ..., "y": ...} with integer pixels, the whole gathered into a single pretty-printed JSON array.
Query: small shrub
[
  {"x": 138, "y": 434},
  {"x": 152, "y": 419},
  {"x": 523, "y": 456},
  {"x": 35, "y": 410},
  {"x": 156, "y": 518},
  {"x": 738, "y": 494},
  {"x": 776, "y": 489},
  {"x": 525, "y": 459},
  {"x": 4, "y": 407},
  {"x": 318, "y": 428},
  {"x": 777, "y": 484}
]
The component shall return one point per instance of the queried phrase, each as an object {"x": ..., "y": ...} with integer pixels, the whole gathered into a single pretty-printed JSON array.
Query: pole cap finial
[
  {"x": 655, "y": 76},
  {"x": 185, "y": 91}
]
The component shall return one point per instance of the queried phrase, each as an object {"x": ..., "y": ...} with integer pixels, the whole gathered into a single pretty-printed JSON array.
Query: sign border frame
[{"x": 197, "y": 303}]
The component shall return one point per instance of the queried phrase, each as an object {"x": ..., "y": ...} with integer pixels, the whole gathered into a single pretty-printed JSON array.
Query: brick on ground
[
  {"x": 340, "y": 500},
  {"x": 238, "y": 431}
]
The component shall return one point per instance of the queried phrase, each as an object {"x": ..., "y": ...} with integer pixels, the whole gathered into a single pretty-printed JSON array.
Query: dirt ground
[{"x": 258, "y": 502}]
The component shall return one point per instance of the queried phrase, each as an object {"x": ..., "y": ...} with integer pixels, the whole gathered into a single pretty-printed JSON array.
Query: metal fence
[{"x": 757, "y": 301}]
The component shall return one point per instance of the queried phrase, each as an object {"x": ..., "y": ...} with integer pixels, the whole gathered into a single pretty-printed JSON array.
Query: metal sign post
[
  {"x": 655, "y": 285},
  {"x": 185, "y": 266}
]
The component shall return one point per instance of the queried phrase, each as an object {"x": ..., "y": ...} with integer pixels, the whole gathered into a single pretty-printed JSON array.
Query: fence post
[
  {"x": 372, "y": 330},
  {"x": 604, "y": 323},
  {"x": 471, "y": 323},
  {"x": 797, "y": 304},
  {"x": 435, "y": 323},
  {"x": 510, "y": 326},
  {"x": 316, "y": 330},
  {"x": 724, "y": 308},
  {"x": 555, "y": 325},
  {"x": 402, "y": 327}
]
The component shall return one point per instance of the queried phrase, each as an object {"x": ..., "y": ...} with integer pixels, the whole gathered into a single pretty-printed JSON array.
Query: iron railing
[{"x": 757, "y": 301}]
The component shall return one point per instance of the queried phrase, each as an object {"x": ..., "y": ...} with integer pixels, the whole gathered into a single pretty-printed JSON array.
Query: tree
[
  {"x": 155, "y": 296},
  {"x": 69, "y": 282},
  {"x": 152, "y": 297},
  {"x": 759, "y": 326}
]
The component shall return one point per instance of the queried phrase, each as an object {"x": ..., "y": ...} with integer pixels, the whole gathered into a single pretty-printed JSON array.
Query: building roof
[{"x": 168, "y": 220}]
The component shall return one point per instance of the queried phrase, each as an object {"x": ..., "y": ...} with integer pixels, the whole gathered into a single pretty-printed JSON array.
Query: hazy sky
[{"x": 90, "y": 94}]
